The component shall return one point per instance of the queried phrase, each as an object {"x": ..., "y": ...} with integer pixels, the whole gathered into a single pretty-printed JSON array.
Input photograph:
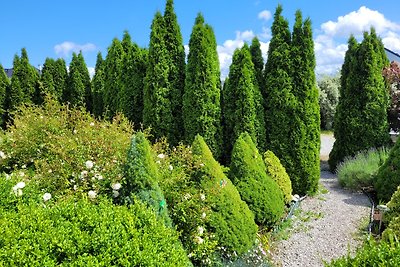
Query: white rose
[
  {"x": 46, "y": 197},
  {"x": 89, "y": 164}
]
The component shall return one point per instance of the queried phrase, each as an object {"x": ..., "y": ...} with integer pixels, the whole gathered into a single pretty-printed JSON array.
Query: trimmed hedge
[
  {"x": 257, "y": 189},
  {"x": 276, "y": 170}
]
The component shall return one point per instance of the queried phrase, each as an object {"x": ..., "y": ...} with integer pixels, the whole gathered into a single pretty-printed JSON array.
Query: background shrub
[
  {"x": 359, "y": 171},
  {"x": 53, "y": 144},
  {"x": 276, "y": 170},
  {"x": 80, "y": 233},
  {"x": 231, "y": 219},
  {"x": 256, "y": 188},
  {"x": 328, "y": 99},
  {"x": 388, "y": 177}
]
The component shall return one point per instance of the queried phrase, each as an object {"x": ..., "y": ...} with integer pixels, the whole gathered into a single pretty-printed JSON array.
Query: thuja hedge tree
[
  {"x": 361, "y": 115},
  {"x": 231, "y": 219},
  {"x": 23, "y": 82},
  {"x": 201, "y": 99},
  {"x": 54, "y": 77},
  {"x": 256, "y": 188},
  {"x": 305, "y": 131},
  {"x": 4, "y": 87},
  {"x": 242, "y": 109},
  {"x": 164, "y": 80},
  {"x": 98, "y": 87},
  {"x": 258, "y": 61},
  {"x": 141, "y": 177}
]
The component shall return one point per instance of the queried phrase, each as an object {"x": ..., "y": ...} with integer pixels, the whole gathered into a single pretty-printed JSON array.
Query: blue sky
[{"x": 51, "y": 28}]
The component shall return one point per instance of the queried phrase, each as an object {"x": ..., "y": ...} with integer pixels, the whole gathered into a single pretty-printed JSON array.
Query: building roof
[{"x": 392, "y": 56}]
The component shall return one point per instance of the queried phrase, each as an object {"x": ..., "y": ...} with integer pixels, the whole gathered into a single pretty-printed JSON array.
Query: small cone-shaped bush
[
  {"x": 256, "y": 188},
  {"x": 231, "y": 219},
  {"x": 276, "y": 170},
  {"x": 388, "y": 176},
  {"x": 142, "y": 177}
]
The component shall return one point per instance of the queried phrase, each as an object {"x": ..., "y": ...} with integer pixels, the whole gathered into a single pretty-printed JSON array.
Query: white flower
[
  {"x": 23, "y": 166},
  {"x": 46, "y": 196},
  {"x": 171, "y": 168},
  {"x": 75, "y": 187},
  {"x": 202, "y": 197},
  {"x": 115, "y": 193},
  {"x": 186, "y": 196},
  {"x": 161, "y": 156},
  {"x": 17, "y": 191},
  {"x": 92, "y": 124},
  {"x": 2, "y": 155},
  {"x": 89, "y": 164},
  {"x": 22, "y": 174},
  {"x": 92, "y": 194},
  {"x": 190, "y": 255},
  {"x": 98, "y": 176},
  {"x": 116, "y": 186},
  {"x": 50, "y": 171},
  {"x": 158, "y": 162},
  {"x": 203, "y": 215},
  {"x": 75, "y": 131},
  {"x": 198, "y": 240},
  {"x": 20, "y": 185},
  {"x": 200, "y": 230},
  {"x": 84, "y": 174}
]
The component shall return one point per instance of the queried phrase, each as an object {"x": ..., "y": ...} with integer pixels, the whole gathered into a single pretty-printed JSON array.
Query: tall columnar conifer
[
  {"x": 241, "y": 98},
  {"x": 78, "y": 91},
  {"x": 280, "y": 102},
  {"x": 157, "y": 108},
  {"x": 361, "y": 115},
  {"x": 98, "y": 86},
  {"x": 176, "y": 52},
  {"x": 23, "y": 81},
  {"x": 258, "y": 61},
  {"x": 201, "y": 100},
  {"x": 4, "y": 87},
  {"x": 305, "y": 135},
  {"x": 54, "y": 77},
  {"x": 112, "y": 78},
  {"x": 132, "y": 79}
]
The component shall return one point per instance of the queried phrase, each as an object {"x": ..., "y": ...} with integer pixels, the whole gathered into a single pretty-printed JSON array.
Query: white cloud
[
  {"x": 91, "y": 71},
  {"x": 265, "y": 15},
  {"x": 330, "y": 51},
  {"x": 65, "y": 48},
  {"x": 357, "y": 22}
]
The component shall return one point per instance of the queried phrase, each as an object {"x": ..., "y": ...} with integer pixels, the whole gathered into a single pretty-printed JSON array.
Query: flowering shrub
[
  {"x": 65, "y": 149},
  {"x": 80, "y": 233},
  {"x": 276, "y": 170},
  {"x": 186, "y": 202},
  {"x": 256, "y": 188}
]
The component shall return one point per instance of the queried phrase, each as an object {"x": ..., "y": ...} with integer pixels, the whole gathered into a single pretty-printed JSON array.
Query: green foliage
[
  {"x": 394, "y": 207},
  {"x": 230, "y": 218},
  {"x": 201, "y": 99},
  {"x": 78, "y": 91},
  {"x": 360, "y": 171},
  {"x": 248, "y": 173},
  {"x": 278, "y": 173},
  {"x": 186, "y": 202},
  {"x": 133, "y": 74},
  {"x": 98, "y": 87},
  {"x": 371, "y": 254},
  {"x": 112, "y": 78},
  {"x": 304, "y": 168},
  {"x": 361, "y": 116},
  {"x": 258, "y": 61},
  {"x": 242, "y": 109},
  {"x": 388, "y": 177},
  {"x": 4, "y": 87},
  {"x": 52, "y": 144},
  {"x": 328, "y": 99},
  {"x": 80, "y": 233},
  {"x": 23, "y": 82},
  {"x": 54, "y": 78},
  {"x": 141, "y": 177}
]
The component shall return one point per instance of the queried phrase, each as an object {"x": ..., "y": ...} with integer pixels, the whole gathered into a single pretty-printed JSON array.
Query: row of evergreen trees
[{"x": 277, "y": 104}]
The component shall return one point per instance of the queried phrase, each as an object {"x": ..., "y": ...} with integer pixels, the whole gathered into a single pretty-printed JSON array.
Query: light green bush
[
  {"x": 276, "y": 170},
  {"x": 80, "y": 233},
  {"x": 360, "y": 171},
  {"x": 256, "y": 188},
  {"x": 230, "y": 220},
  {"x": 65, "y": 149}
]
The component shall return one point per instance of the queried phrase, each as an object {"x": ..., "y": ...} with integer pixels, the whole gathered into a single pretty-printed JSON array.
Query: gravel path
[{"x": 326, "y": 226}]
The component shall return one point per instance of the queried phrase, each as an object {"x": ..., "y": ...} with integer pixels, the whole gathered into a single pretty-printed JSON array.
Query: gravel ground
[{"x": 326, "y": 226}]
